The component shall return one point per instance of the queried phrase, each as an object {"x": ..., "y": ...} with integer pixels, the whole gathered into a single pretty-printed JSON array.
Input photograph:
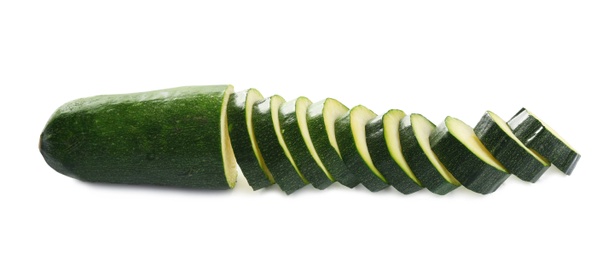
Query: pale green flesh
[
  {"x": 503, "y": 125},
  {"x": 359, "y": 117},
  {"x": 276, "y": 102},
  {"x": 422, "y": 130},
  {"x": 391, "y": 121},
  {"x": 467, "y": 137},
  {"x": 228, "y": 155},
  {"x": 254, "y": 96},
  {"x": 333, "y": 109},
  {"x": 302, "y": 103}
]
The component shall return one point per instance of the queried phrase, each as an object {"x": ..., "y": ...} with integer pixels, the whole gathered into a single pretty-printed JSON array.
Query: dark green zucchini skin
[
  {"x": 513, "y": 156},
  {"x": 383, "y": 161},
  {"x": 351, "y": 157},
  {"x": 536, "y": 136},
  {"x": 167, "y": 137},
  {"x": 420, "y": 164},
  {"x": 328, "y": 155},
  {"x": 241, "y": 143},
  {"x": 467, "y": 168},
  {"x": 276, "y": 160},
  {"x": 298, "y": 148}
]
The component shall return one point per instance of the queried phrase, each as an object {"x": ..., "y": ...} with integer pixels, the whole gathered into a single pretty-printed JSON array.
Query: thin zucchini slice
[
  {"x": 460, "y": 150},
  {"x": 244, "y": 144},
  {"x": 351, "y": 138},
  {"x": 385, "y": 149},
  {"x": 414, "y": 132},
  {"x": 499, "y": 139},
  {"x": 274, "y": 151},
  {"x": 540, "y": 137},
  {"x": 293, "y": 120}
]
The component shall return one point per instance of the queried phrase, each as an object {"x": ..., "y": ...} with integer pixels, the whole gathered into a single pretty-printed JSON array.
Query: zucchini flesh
[
  {"x": 292, "y": 117},
  {"x": 460, "y": 150},
  {"x": 499, "y": 139},
  {"x": 243, "y": 141},
  {"x": 540, "y": 137},
  {"x": 351, "y": 138},
  {"x": 414, "y": 132},
  {"x": 385, "y": 149}
]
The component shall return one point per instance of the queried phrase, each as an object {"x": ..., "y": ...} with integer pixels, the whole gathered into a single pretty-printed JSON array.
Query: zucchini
[
  {"x": 385, "y": 149},
  {"x": 171, "y": 137},
  {"x": 243, "y": 141},
  {"x": 460, "y": 150},
  {"x": 414, "y": 132},
  {"x": 540, "y": 137},
  {"x": 351, "y": 138},
  {"x": 499, "y": 139},
  {"x": 293, "y": 120},
  {"x": 278, "y": 160},
  {"x": 321, "y": 117}
]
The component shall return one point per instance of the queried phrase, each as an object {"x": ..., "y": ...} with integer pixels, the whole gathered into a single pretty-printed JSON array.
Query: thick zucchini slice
[
  {"x": 414, "y": 132},
  {"x": 460, "y": 150},
  {"x": 499, "y": 139},
  {"x": 385, "y": 149},
  {"x": 171, "y": 137},
  {"x": 321, "y": 117},
  {"x": 293, "y": 120},
  {"x": 351, "y": 138},
  {"x": 244, "y": 144},
  {"x": 540, "y": 137},
  {"x": 274, "y": 151}
]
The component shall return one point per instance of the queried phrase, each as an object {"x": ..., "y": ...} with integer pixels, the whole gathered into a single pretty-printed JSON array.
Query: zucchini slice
[
  {"x": 414, "y": 132},
  {"x": 172, "y": 137},
  {"x": 293, "y": 120},
  {"x": 499, "y": 139},
  {"x": 460, "y": 150},
  {"x": 351, "y": 138},
  {"x": 274, "y": 151},
  {"x": 321, "y": 117},
  {"x": 384, "y": 146},
  {"x": 540, "y": 137},
  {"x": 243, "y": 141}
]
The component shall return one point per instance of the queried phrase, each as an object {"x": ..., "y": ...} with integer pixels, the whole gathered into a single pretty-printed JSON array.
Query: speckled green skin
[
  {"x": 328, "y": 155},
  {"x": 467, "y": 168},
  {"x": 296, "y": 145},
  {"x": 383, "y": 161},
  {"x": 537, "y": 137},
  {"x": 280, "y": 166},
  {"x": 514, "y": 157},
  {"x": 241, "y": 143},
  {"x": 168, "y": 137}
]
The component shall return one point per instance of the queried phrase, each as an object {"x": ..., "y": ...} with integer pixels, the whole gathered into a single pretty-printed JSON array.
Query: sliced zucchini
[
  {"x": 540, "y": 137},
  {"x": 293, "y": 120},
  {"x": 321, "y": 117},
  {"x": 385, "y": 149},
  {"x": 460, "y": 150},
  {"x": 274, "y": 151},
  {"x": 414, "y": 132},
  {"x": 351, "y": 138},
  {"x": 499, "y": 139},
  {"x": 244, "y": 144}
]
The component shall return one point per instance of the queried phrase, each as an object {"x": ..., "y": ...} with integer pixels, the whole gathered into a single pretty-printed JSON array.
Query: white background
[{"x": 437, "y": 58}]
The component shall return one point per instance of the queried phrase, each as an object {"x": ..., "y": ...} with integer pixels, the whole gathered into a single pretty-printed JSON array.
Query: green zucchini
[
  {"x": 385, "y": 150},
  {"x": 293, "y": 120},
  {"x": 321, "y": 117},
  {"x": 414, "y": 132},
  {"x": 171, "y": 137},
  {"x": 351, "y": 138},
  {"x": 276, "y": 156},
  {"x": 243, "y": 141},
  {"x": 460, "y": 150},
  {"x": 544, "y": 140},
  {"x": 499, "y": 139}
]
